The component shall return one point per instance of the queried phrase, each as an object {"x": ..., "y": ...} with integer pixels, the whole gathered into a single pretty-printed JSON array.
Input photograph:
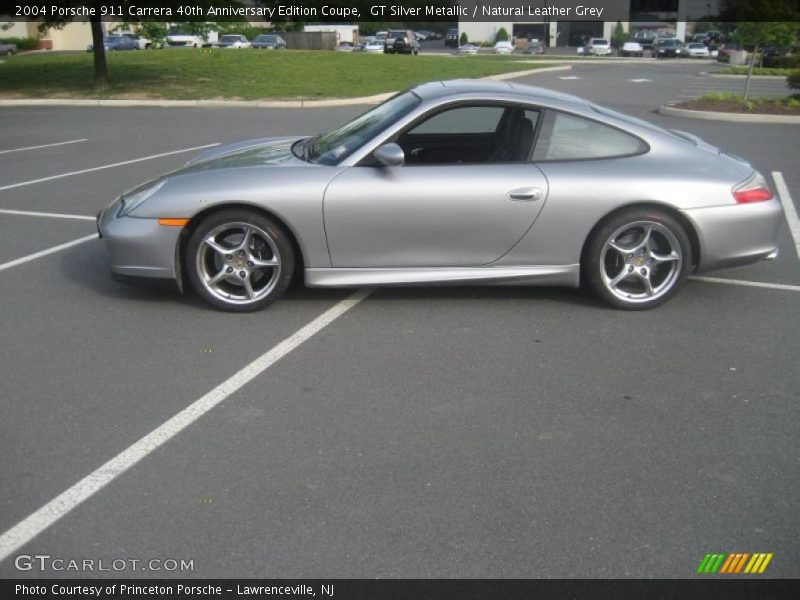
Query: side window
[
  {"x": 467, "y": 119},
  {"x": 569, "y": 137},
  {"x": 475, "y": 134}
]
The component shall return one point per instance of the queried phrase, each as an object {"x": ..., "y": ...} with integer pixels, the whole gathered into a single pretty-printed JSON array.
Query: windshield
[
  {"x": 231, "y": 38},
  {"x": 331, "y": 148}
]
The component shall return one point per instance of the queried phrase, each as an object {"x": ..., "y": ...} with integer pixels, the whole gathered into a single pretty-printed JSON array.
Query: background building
[{"x": 678, "y": 16}]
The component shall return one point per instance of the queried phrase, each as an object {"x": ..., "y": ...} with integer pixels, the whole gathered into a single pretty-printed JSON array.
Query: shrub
[
  {"x": 502, "y": 35},
  {"x": 785, "y": 62},
  {"x": 22, "y": 43},
  {"x": 463, "y": 39},
  {"x": 793, "y": 80}
]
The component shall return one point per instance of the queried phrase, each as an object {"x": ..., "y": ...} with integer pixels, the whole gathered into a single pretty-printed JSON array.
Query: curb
[
  {"x": 727, "y": 116},
  {"x": 322, "y": 103},
  {"x": 742, "y": 77}
]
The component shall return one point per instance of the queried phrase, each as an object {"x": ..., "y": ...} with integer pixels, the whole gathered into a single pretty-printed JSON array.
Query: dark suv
[
  {"x": 400, "y": 41},
  {"x": 451, "y": 39}
]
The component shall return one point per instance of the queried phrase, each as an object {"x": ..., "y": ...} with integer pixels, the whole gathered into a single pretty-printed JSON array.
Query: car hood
[{"x": 263, "y": 152}]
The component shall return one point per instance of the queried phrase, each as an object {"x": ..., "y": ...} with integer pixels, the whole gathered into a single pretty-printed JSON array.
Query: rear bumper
[
  {"x": 736, "y": 235},
  {"x": 138, "y": 247}
]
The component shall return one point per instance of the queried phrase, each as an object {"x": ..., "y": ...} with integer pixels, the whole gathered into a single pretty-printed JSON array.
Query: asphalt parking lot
[{"x": 446, "y": 432}]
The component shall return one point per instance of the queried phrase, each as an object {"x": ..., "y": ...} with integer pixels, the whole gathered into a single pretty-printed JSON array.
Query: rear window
[{"x": 570, "y": 137}]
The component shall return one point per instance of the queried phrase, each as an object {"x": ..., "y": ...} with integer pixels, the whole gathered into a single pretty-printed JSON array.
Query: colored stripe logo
[{"x": 734, "y": 563}]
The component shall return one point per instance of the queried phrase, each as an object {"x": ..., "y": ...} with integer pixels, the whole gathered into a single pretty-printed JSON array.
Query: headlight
[{"x": 135, "y": 197}]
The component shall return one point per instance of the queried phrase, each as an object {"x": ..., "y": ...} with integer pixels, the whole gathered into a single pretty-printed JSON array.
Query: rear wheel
[
  {"x": 638, "y": 259},
  {"x": 239, "y": 260}
]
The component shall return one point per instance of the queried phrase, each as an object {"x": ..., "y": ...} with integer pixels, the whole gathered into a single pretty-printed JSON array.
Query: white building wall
[{"x": 483, "y": 31}]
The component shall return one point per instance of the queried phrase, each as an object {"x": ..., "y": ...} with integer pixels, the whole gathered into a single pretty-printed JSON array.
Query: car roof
[{"x": 454, "y": 87}]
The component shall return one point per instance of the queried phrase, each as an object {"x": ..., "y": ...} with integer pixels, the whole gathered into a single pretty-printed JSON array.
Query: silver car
[{"x": 450, "y": 182}]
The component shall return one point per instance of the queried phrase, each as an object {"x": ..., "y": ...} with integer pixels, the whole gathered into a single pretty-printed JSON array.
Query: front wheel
[
  {"x": 239, "y": 260},
  {"x": 638, "y": 259}
]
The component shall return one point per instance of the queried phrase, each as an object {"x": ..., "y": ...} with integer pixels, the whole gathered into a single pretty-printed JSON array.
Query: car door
[{"x": 459, "y": 201}]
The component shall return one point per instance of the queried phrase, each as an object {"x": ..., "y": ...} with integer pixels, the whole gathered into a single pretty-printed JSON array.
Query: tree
[
  {"x": 502, "y": 35},
  {"x": 101, "y": 79},
  {"x": 619, "y": 36},
  {"x": 755, "y": 35},
  {"x": 463, "y": 40}
]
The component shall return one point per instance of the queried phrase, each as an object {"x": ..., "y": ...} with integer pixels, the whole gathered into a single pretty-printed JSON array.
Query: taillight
[
  {"x": 753, "y": 190},
  {"x": 758, "y": 194}
]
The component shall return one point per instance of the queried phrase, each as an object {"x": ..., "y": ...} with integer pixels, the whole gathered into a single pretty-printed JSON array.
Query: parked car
[
  {"x": 451, "y": 39},
  {"x": 533, "y": 47},
  {"x": 423, "y": 35},
  {"x": 597, "y": 197},
  {"x": 631, "y": 49},
  {"x": 7, "y": 49},
  {"x": 667, "y": 48},
  {"x": 503, "y": 47},
  {"x": 468, "y": 49},
  {"x": 597, "y": 47},
  {"x": 345, "y": 47},
  {"x": 696, "y": 50},
  {"x": 374, "y": 47},
  {"x": 180, "y": 39},
  {"x": 233, "y": 41},
  {"x": 724, "y": 52},
  {"x": 113, "y": 43},
  {"x": 772, "y": 56},
  {"x": 269, "y": 41},
  {"x": 400, "y": 41},
  {"x": 143, "y": 42},
  {"x": 645, "y": 38}
]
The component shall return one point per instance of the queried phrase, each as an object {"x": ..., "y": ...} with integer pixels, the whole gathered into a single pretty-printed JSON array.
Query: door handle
[{"x": 528, "y": 194}]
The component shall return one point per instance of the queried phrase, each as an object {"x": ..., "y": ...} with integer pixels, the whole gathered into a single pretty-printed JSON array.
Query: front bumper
[
  {"x": 735, "y": 235},
  {"x": 138, "y": 247}
]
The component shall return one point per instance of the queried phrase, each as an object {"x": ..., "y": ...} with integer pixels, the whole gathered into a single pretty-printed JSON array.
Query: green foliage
[
  {"x": 793, "y": 80},
  {"x": 463, "y": 39},
  {"x": 619, "y": 36},
  {"x": 733, "y": 11},
  {"x": 754, "y": 34},
  {"x": 757, "y": 71},
  {"x": 22, "y": 43},
  {"x": 502, "y": 35},
  {"x": 786, "y": 62}
]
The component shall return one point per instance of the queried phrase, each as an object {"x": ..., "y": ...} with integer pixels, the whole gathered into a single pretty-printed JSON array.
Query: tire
[
  {"x": 222, "y": 266},
  {"x": 637, "y": 259}
]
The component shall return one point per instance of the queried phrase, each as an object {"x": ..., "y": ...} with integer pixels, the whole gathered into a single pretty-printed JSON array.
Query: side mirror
[{"x": 390, "y": 155}]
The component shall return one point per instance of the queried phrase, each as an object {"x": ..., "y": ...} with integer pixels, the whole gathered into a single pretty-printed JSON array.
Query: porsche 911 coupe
[{"x": 450, "y": 182}]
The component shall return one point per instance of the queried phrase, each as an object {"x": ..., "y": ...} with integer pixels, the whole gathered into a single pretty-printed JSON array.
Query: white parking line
[
  {"x": 571, "y": 77},
  {"x": 639, "y": 80},
  {"x": 42, "y": 253},
  {"x": 111, "y": 166},
  {"x": 44, "y": 146},
  {"x": 29, "y": 213},
  {"x": 58, "y": 507},
  {"x": 788, "y": 209},
  {"x": 758, "y": 284}
]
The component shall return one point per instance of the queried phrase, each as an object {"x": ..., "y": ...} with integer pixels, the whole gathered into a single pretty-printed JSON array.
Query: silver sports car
[{"x": 450, "y": 182}]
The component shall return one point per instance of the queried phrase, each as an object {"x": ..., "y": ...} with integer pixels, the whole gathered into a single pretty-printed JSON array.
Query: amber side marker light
[{"x": 173, "y": 222}]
